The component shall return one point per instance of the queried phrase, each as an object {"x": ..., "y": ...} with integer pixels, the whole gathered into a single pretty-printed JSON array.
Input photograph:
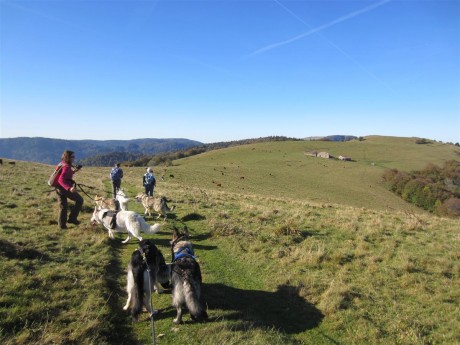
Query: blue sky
[{"x": 230, "y": 69}]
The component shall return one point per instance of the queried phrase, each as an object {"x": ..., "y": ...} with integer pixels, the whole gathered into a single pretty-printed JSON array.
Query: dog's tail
[
  {"x": 153, "y": 229},
  {"x": 148, "y": 229},
  {"x": 193, "y": 301}
]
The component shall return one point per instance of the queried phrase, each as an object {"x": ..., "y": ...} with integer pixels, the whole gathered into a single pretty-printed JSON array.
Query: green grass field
[{"x": 293, "y": 250}]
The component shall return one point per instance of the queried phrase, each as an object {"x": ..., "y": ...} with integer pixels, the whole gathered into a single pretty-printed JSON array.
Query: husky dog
[
  {"x": 140, "y": 286},
  {"x": 123, "y": 221},
  {"x": 186, "y": 278},
  {"x": 158, "y": 205},
  {"x": 122, "y": 199},
  {"x": 111, "y": 204}
]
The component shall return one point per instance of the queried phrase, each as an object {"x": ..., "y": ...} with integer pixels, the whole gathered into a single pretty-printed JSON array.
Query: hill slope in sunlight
[{"x": 281, "y": 169}]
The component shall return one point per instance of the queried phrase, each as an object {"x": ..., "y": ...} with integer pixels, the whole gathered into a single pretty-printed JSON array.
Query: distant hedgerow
[{"x": 434, "y": 189}]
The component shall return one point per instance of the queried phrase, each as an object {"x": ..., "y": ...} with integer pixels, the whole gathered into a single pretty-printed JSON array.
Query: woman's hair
[{"x": 67, "y": 156}]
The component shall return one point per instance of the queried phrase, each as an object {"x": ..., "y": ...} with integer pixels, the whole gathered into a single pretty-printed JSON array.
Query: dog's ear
[
  {"x": 175, "y": 233},
  {"x": 186, "y": 231}
]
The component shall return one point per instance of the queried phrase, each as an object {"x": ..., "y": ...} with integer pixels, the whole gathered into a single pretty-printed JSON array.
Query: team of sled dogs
[
  {"x": 147, "y": 269},
  {"x": 114, "y": 215},
  {"x": 159, "y": 205}
]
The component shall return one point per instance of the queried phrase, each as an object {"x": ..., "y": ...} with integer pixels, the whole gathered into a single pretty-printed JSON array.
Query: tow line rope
[{"x": 150, "y": 289}]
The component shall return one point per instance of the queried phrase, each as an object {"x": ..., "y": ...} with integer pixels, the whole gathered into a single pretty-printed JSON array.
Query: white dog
[
  {"x": 123, "y": 221},
  {"x": 122, "y": 199}
]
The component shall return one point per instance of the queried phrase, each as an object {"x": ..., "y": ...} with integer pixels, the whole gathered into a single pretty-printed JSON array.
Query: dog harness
[
  {"x": 184, "y": 252},
  {"x": 113, "y": 218}
]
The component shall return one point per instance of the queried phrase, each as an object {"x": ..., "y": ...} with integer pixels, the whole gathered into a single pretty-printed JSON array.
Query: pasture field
[
  {"x": 293, "y": 250},
  {"x": 280, "y": 169}
]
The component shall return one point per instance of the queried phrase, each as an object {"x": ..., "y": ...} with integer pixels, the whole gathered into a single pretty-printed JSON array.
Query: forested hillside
[
  {"x": 435, "y": 189},
  {"x": 47, "y": 150}
]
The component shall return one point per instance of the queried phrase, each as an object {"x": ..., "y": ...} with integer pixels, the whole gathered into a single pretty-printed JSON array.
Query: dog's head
[
  {"x": 152, "y": 253},
  {"x": 180, "y": 235},
  {"x": 98, "y": 199},
  {"x": 180, "y": 239},
  {"x": 140, "y": 196},
  {"x": 147, "y": 246}
]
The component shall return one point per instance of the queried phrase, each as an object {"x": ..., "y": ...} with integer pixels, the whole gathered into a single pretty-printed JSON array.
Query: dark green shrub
[{"x": 434, "y": 189}]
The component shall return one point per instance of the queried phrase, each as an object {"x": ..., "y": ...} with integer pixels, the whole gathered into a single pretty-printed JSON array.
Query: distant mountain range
[
  {"x": 49, "y": 151},
  {"x": 333, "y": 138},
  {"x": 108, "y": 152}
]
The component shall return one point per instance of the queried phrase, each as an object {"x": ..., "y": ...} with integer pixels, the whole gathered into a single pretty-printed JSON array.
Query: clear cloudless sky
[{"x": 221, "y": 70}]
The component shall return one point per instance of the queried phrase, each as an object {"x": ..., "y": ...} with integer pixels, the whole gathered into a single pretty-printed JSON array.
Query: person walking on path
[
  {"x": 66, "y": 189},
  {"x": 149, "y": 182},
  {"x": 116, "y": 174}
]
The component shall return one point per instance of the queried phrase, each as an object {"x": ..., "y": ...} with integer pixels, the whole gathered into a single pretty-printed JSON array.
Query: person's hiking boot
[
  {"x": 76, "y": 222},
  {"x": 63, "y": 227}
]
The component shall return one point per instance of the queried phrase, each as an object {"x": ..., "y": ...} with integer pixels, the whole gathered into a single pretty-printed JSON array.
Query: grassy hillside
[
  {"x": 282, "y": 170},
  {"x": 282, "y": 262}
]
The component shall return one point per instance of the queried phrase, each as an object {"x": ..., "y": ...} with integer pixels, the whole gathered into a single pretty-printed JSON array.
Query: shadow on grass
[
  {"x": 193, "y": 216},
  {"x": 19, "y": 251},
  {"x": 283, "y": 309},
  {"x": 120, "y": 331}
]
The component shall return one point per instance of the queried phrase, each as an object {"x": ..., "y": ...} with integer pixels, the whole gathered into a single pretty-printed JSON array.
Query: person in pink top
[{"x": 66, "y": 189}]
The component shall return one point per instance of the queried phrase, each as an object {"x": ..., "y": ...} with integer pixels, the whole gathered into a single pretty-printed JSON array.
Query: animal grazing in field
[
  {"x": 144, "y": 260},
  {"x": 186, "y": 278},
  {"x": 122, "y": 199},
  {"x": 158, "y": 205},
  {"x": 111, "y": 204},
  {"x": 124, "y": 222}
]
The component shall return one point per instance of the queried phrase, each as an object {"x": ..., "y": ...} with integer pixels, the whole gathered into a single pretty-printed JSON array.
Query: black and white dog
[
  {"x": 146, "y": 257},
  {"x": 186, "y": 278}
]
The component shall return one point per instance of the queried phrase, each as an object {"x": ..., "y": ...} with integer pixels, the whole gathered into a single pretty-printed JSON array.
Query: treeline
[
  {"x": 109, "y": 159},
  {"x": 169, "y": 157},
  {"x": 136, "y": 158},
  {"x": 435, "y": 189}
]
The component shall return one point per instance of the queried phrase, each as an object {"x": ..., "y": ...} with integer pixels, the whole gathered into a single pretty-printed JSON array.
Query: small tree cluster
[
  {"x": 434, "y": 189},
  {"x": 422, "y": 141}
]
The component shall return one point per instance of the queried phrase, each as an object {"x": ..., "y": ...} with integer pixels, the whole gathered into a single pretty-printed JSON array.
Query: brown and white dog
[
  {"x": 111, "y": 204},
  {"x": 158, "y": 205}
]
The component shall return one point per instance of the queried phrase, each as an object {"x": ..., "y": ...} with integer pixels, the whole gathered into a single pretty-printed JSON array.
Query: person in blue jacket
[{"x": 149, "y": 182}]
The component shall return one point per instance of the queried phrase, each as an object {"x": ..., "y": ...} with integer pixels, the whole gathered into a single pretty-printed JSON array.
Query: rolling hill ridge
[{"x": 48, "y": 151}]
